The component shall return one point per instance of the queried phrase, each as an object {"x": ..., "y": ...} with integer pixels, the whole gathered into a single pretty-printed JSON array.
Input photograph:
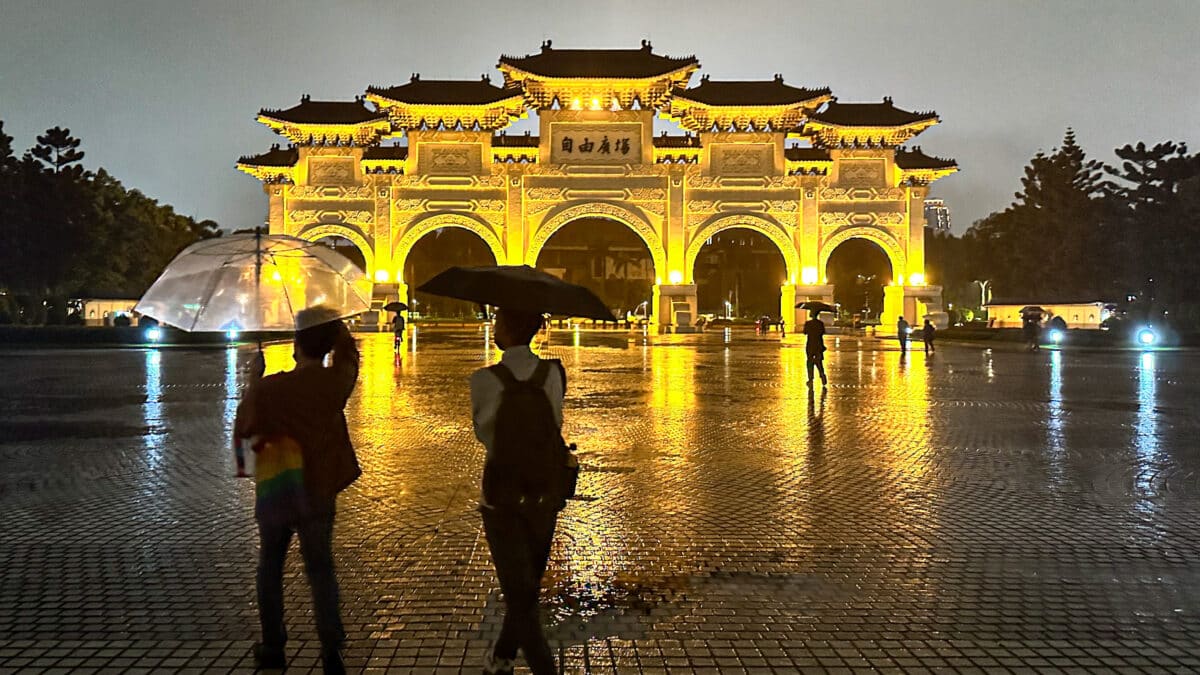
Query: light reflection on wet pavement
[{"x": 983, "y": 510}]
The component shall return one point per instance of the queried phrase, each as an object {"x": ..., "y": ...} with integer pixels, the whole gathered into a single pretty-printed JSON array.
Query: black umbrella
[
  {"x": 518, "y": 287},
  {"x": 815, "y": 306},
  {"x": 395, "y": 307},
  {"x": 1032, "y": 309}
]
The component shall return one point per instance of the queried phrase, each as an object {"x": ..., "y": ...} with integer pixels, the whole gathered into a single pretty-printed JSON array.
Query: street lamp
[
  {"x": 728, "y": 310},
  {"x": 984, "y": 285}
]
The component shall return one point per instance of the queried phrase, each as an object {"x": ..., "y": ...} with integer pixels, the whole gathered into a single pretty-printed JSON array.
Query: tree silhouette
[{"x": 57, "y": 149}]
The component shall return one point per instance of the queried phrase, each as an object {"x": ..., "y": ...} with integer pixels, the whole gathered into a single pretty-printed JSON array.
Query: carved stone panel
[
  {"x": 331, "y": 170},
  {"x": 861, "y": 173},
  {"x": 742, "y": 159},
  {"x": 450, "y": 159}
]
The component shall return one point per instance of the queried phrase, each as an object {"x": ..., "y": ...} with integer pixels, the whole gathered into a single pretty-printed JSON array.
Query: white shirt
[{"x": 486, "y": 389}]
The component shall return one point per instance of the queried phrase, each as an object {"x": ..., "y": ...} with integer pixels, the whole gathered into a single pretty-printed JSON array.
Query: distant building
[{"x": 937, "y": 215}]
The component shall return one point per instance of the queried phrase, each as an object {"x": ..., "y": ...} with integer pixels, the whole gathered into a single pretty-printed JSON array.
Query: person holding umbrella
[
  {"x": 814, "y": 347},
  {"x": 295, "y": 423},
  {"x": 528, "y": 472}
]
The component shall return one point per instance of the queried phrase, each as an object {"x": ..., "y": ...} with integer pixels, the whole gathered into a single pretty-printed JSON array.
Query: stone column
[
  {"x": 893, "y": 307},
  {"x": 677, "y": 307},
  {"x": 787, "y": 307}
]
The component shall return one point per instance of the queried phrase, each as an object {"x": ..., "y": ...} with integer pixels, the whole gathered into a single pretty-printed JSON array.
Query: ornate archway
[
  {"x": 628, "y": 217},
  {"x": 423, "y": 226},
  {"x": 761, "y": 224},
  {"x": 317, "y": 232},
  {"x": 891, "y": 247}
]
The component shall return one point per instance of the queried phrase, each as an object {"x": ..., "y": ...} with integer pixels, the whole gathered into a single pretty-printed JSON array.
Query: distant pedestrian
[
  {"x": 398, "y": 332},
  {"x": 1031, "y": 331},
  {"x": 814, "y": 348},
  {"x": 782, "y": 327},
  {"x": 296, "y": 425},
  {"x": 516, "y": 408},
  {"x": 902, "y": 334},
  {"x": 927, "y": 332}
]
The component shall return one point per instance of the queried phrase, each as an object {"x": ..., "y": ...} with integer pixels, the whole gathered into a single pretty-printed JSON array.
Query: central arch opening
[
  {"x": 738, "y": 274},
  {"x": 608, "y": 258},
  {"x": 347, "y": 248},
  {"x": 859, "y": 269},
  {"x": 434, "y": 252}
]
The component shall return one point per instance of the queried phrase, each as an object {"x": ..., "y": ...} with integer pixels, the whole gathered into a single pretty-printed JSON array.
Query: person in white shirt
[{"x": 519, "y": 536}]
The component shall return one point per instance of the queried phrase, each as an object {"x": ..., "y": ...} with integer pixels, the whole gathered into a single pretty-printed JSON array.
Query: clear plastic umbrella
[{"x": 253, "y": 282}]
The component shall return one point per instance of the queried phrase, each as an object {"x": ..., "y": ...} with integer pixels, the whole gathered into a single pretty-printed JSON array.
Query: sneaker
[
  {"x": 494, "y": 665},
  {"x": 266, "y": 657}
]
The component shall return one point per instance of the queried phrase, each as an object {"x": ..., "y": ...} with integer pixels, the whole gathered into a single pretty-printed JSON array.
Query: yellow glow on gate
[
  {"x": 675, "y": 277},
  {"x": 916, "y": 279},
  {"x": 900, "y": 280},
  {"x": 808, "y": 275},
  {"x": 382, "y": 276},
  {"x": 595, "y": 104}
]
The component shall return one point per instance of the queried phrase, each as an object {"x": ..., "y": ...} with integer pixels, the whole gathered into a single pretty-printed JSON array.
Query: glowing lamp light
[
  {"x": 382, "y": 276},
  {"x": 900, "y": 280},
  {"x": 1147, "y": 337},
  {"x": 595, "y": 104},
  {"x": 916, "y": 279},
  {"x": 276, "y": 276},
  {"x": 575, "y": 105},
  {"x": 809, "y": 275},
  {"x": 675, "y": 277},
  {"x": 1056, "y": 336},
  {"x": 153, "y": 334},
  {"x": 232, "y": 334}
]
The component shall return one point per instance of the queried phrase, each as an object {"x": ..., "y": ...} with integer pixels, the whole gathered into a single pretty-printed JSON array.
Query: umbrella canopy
[
  {"x": 517, "y": 287},
  {"x": 395, "y": 307},
  {"x": 1032, "y": 309},
  {"x": 253, "y": 282},
  {"x": 815, "y": 306}
]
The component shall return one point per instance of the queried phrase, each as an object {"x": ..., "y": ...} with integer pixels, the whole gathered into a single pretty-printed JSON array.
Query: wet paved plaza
[{"x": 976, "y": 511}]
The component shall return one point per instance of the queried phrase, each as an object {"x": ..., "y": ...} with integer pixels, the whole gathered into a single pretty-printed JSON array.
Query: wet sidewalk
[{"x": 973, "y": 511}]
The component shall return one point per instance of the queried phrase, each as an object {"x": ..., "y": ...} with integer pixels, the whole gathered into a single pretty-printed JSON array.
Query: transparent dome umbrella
[{"x": 253, "y": 282}]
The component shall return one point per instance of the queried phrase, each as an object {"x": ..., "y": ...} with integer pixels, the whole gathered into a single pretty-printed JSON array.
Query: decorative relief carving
[
  {"x": 450, "y": 159},
  {"x": 657, "y": 208},
  {"x": 783, "y": 182},
  {"x": 647, "y": 193},
  {"x": 646, "y": 170},
  {"x": 537, "y": 207},
  {"x": 861, "y": 219},
  {"x": 489, "y": 204},
  {"x": 701, "y": 206},
  {"x": 742, "y": 160},
  {"x": 492, "y": 181},
  {"x": 330, "y": 216},
  {"x": 544, "y": 193},
  {"x": 409, "y": 204},
  {"x": 780, "y": 235},
  {"x": 890, "y": 244},
  {"x": 494, "y": 218},
  {"x": 421, "y": 225},
  {"x": 331, "y": 170},
  {"x": 782, "y": 205},
  {"x": 702, "y": 181},
  {"x": 862, "y": 194},
  {"x": 861, "y": 173},
  {"x": 329, "y": 192}
]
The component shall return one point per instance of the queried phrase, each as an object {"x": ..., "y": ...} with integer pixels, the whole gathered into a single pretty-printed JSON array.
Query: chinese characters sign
[{"x": 573, "y": 143}]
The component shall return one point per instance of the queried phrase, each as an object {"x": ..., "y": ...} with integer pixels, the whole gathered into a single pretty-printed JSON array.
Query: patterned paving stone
[{"x": 975, "y": 511}]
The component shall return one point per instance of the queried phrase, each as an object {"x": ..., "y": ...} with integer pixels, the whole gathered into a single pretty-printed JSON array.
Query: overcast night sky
[{"x": 164, "y": 94}]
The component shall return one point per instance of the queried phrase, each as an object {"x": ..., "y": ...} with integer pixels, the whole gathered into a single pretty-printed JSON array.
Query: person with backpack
[
  {"x": 814, "y": 348},
  {"x": 295, "y": 423},
  {"x": 927, "y": 333},
  {"x": 516, "y": 408}
]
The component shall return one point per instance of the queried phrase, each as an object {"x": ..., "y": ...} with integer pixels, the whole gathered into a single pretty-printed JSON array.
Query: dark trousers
[
  {"x": 316, "y": 547},
  {"x": 520, "y": 546},
  {"x": 816, "y": 359}
]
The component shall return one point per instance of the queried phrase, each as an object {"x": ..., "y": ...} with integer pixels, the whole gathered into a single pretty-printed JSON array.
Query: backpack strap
[
  {"x": 502, "y": 373},
  {"x": 538, "y": 379}
]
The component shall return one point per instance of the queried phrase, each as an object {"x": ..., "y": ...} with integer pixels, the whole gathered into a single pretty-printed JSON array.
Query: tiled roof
[
  {"x": 807, "y": 155},
  {"x": 685, "y": 141},
  {"x": 599, "y": 63},
  {"x": 869, "y": 115},
  {"x": 749, "y": 92},
  {"x": 445, "y": 92},
  {"x": 276, "y": 156},
  {"x": 386, "y": 152},
  {"x": 521, "y": 141},
  {"x": 914, "y": 158},
  {"x": 325, "y": 112}
]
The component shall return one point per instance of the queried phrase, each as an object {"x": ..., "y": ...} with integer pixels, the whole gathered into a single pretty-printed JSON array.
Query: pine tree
[{"x": 57, "y": 149}]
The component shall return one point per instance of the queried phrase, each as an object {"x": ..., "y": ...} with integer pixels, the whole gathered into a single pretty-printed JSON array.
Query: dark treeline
[
  {"x": 1084, "y": 229},
  {"x": 69, "y": 232}
]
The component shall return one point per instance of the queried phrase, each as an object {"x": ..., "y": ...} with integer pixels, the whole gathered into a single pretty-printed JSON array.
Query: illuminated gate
[{"x": 791, "y": 163}]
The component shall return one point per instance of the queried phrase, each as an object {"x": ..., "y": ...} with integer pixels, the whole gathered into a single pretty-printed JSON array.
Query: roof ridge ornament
[
  {"x": 547, "y": 45},
  {"x": 305, "y": 98},
  {"x": 779, "y": 78},
  {"x": 647, "y": 47}
]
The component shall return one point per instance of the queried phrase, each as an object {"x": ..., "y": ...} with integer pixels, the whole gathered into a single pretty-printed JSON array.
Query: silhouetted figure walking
[
  {"x": 1031, "y": 330},
  {"x": 927, "y": 332},
  {"x": 516, "y": 408},
  {"x": 814, "y": 348},
  {"x": 902, "y": 334}
]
